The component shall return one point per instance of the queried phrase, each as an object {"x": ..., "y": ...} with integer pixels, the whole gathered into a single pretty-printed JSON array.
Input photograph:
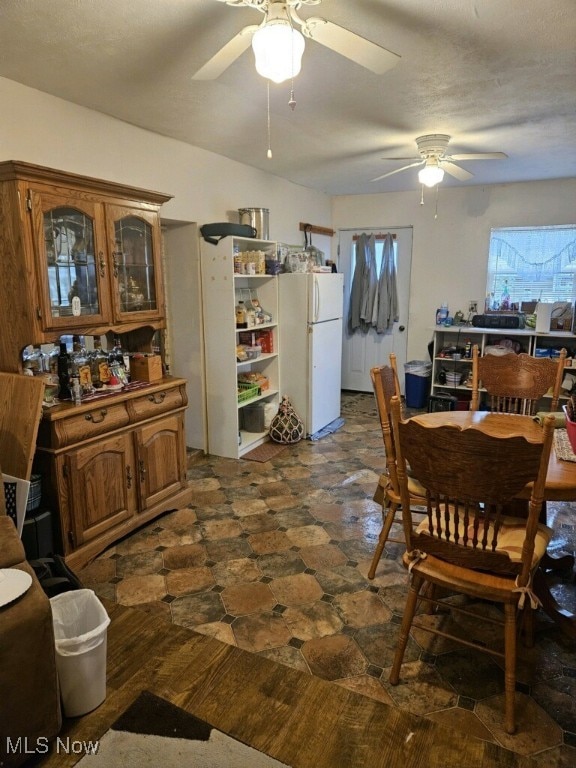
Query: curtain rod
[{"x": 379, "y": 236}]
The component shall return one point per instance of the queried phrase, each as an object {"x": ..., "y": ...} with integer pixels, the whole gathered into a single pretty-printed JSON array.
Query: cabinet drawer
[
  {"x": 99, "y": 420},
  {"x": 153, "y": 403}
]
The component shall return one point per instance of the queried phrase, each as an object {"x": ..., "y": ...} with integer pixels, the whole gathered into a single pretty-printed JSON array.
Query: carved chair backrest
[
  {"x": 384, "y": 384},
  {"x": 470, "y": 476},
  {"x": 515, "y": 383}
]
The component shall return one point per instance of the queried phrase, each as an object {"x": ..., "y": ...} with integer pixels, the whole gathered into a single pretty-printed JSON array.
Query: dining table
[{"x": 560, "y": 487}]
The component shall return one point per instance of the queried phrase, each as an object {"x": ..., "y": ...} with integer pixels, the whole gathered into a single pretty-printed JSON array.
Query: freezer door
[
  {"x": 325, "y": 366},
  {"x": 325, "y": 297}
]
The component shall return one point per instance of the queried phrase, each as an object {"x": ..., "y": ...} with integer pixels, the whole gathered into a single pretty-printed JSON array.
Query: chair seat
[
  {"x": 455, "y": 578},
  {"x": 384, "y": 490},
  {"x": 510, "y": 536}
]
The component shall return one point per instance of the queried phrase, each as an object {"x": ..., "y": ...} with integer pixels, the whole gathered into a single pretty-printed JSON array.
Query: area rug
[
  {"x": 265, "y": 452},
  {"x": 334, "y": 426},
  {"x": 153, "y": 732}
]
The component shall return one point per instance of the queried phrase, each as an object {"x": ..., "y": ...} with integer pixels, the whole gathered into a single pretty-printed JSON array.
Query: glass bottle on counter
[
  {"x": 35, "y": 360},
  {"x": 64, "y": 362},
  {"x": 99, "y": 365},
  {"x": 117, "y": 362},
  {"x": 81, "y": 366}
]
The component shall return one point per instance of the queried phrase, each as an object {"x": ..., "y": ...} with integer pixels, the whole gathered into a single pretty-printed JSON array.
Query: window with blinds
[{"x": 528, "y": 264}]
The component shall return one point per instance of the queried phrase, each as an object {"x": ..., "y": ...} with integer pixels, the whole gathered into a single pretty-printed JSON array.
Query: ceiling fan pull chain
[
  {"x": 269, "y": 153},
  {"x": 292, "y": 100}
]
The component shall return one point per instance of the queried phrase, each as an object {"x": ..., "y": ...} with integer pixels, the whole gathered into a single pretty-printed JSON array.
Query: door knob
[{"x": 402, "y": 328}]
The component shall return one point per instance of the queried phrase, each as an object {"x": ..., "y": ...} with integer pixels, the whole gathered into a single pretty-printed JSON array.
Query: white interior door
[{"x": 362, "y": 351}]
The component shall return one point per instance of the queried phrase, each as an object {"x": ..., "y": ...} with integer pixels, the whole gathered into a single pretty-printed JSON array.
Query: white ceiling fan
[
  {"x": 281, "y": 20},
  {"x": 435, "y": 160}
]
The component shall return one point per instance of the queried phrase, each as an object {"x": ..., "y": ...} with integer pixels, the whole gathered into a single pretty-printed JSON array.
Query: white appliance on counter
[{"x": 310, "y": 328}]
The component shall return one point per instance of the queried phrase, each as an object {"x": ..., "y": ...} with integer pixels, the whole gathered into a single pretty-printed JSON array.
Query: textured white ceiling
[{"x": 496, "y": 75}]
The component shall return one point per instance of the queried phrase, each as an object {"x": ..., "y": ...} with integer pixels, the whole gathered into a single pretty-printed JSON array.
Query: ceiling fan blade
[
  {"x": 404, "y": 168},
  {"x": 226, "y": 55},
  {"x": 455, "y": 170},
  {"x": 346, "y": 43},
  {"x": 413, "y": 157},
  {"x": 480, "y": 156}
]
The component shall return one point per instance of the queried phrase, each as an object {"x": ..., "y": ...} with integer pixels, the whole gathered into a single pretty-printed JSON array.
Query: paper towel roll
[{"x": 543, "y": 317}]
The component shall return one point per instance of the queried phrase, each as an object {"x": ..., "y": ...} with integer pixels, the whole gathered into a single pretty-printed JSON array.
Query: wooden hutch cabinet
[{"x": 83, "y": 256}]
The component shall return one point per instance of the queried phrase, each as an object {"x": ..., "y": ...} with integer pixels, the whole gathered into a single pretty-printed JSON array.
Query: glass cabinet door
[
  {"x": 135, "y": 262},
  {"x": 72, "y": 266}
]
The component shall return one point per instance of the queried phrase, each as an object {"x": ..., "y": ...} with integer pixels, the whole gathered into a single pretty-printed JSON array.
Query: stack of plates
[{"x": 453, "y": 378}]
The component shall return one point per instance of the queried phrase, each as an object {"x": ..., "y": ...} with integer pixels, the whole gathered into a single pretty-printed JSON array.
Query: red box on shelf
[{"x": 263, "y": 339}]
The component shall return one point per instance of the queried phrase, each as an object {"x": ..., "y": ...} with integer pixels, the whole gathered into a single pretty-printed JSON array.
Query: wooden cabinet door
[
  {"x": 161, "y": 457},
  {"x": 71, "y": 263},
  {"x": 134, "y": 244},
  {"x": 102, "y": 489}
]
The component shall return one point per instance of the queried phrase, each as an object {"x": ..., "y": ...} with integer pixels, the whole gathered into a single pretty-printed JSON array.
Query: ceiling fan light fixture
[
  {"x": 430, "y": 175},
  {"x": 278, "y": 49}
]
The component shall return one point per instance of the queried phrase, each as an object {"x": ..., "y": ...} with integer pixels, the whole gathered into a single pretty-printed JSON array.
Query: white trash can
[{"x": 80, "y": 631}]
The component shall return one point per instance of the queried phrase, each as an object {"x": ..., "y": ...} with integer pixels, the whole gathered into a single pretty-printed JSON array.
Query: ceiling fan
[
  {"x": 280, "y": 22},
  {"x": 435, "y": 160}
]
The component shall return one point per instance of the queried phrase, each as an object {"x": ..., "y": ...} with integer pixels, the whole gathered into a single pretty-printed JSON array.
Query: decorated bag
[{"x": 286, "y": 426}]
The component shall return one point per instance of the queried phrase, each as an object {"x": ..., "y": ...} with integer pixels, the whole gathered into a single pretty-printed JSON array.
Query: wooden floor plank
[{"x": 299, "y": 719}]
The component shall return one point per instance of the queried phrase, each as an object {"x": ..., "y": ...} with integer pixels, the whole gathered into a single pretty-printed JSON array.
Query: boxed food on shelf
[
  {"x": 249, "y": 263},
  {"x": 263, "y": 339},
  {"x": 255, "y": 378}
]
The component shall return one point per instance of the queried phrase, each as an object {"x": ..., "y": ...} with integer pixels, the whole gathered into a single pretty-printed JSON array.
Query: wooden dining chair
[
  {"x": 386, "y": 385},
  {"x": 516, "y": 383},
  {"x": 465, "y": 544},
  {"x": 390, "y": 387}
]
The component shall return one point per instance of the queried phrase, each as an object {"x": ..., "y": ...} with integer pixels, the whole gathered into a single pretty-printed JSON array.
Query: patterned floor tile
[{"x": 273, "y": 557}]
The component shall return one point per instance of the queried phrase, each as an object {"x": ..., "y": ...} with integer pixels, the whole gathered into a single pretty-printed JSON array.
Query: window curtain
[{"x": 373, "y": 295}]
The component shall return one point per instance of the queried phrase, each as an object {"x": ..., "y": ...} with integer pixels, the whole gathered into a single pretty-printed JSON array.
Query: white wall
[
  {"x": 38, "y": 128},
  {"x": 450, "y": 252}
]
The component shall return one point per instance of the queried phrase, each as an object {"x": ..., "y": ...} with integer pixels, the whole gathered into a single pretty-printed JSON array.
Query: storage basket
[
  {"x": 247, "y": 391},
  {"x": 35, "y": 493}
]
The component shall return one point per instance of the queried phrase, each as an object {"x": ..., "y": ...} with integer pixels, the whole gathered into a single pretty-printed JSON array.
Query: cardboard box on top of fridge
[{"x": 146, "y": 368}]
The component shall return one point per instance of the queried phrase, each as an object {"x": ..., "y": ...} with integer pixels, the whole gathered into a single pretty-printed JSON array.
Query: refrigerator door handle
[{"x": 316, "y": 300}]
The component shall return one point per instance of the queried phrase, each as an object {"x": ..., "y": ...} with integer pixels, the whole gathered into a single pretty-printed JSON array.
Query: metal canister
[{"x": 257, "y": 218}]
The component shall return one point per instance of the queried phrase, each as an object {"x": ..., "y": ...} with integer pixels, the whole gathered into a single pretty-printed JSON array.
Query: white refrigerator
[{"x": 310, "y": 332}]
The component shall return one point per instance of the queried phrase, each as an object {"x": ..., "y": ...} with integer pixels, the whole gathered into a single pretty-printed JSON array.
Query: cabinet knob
[
  {"x": 157, "y": 397},
  {"x": 96, "y": 418}
]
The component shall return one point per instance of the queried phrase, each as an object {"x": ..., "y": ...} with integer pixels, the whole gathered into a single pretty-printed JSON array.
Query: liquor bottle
[
  {"x": 241, "y": 321},
  {"x": 53, "y": 359},
  {"x": 99, "y": 365},
  {"x": 81, "y": 366},
  {"x": 35, "y": 360},
  {"x": 64, "y": 373},
  {"x": 117, "y": 362}
]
